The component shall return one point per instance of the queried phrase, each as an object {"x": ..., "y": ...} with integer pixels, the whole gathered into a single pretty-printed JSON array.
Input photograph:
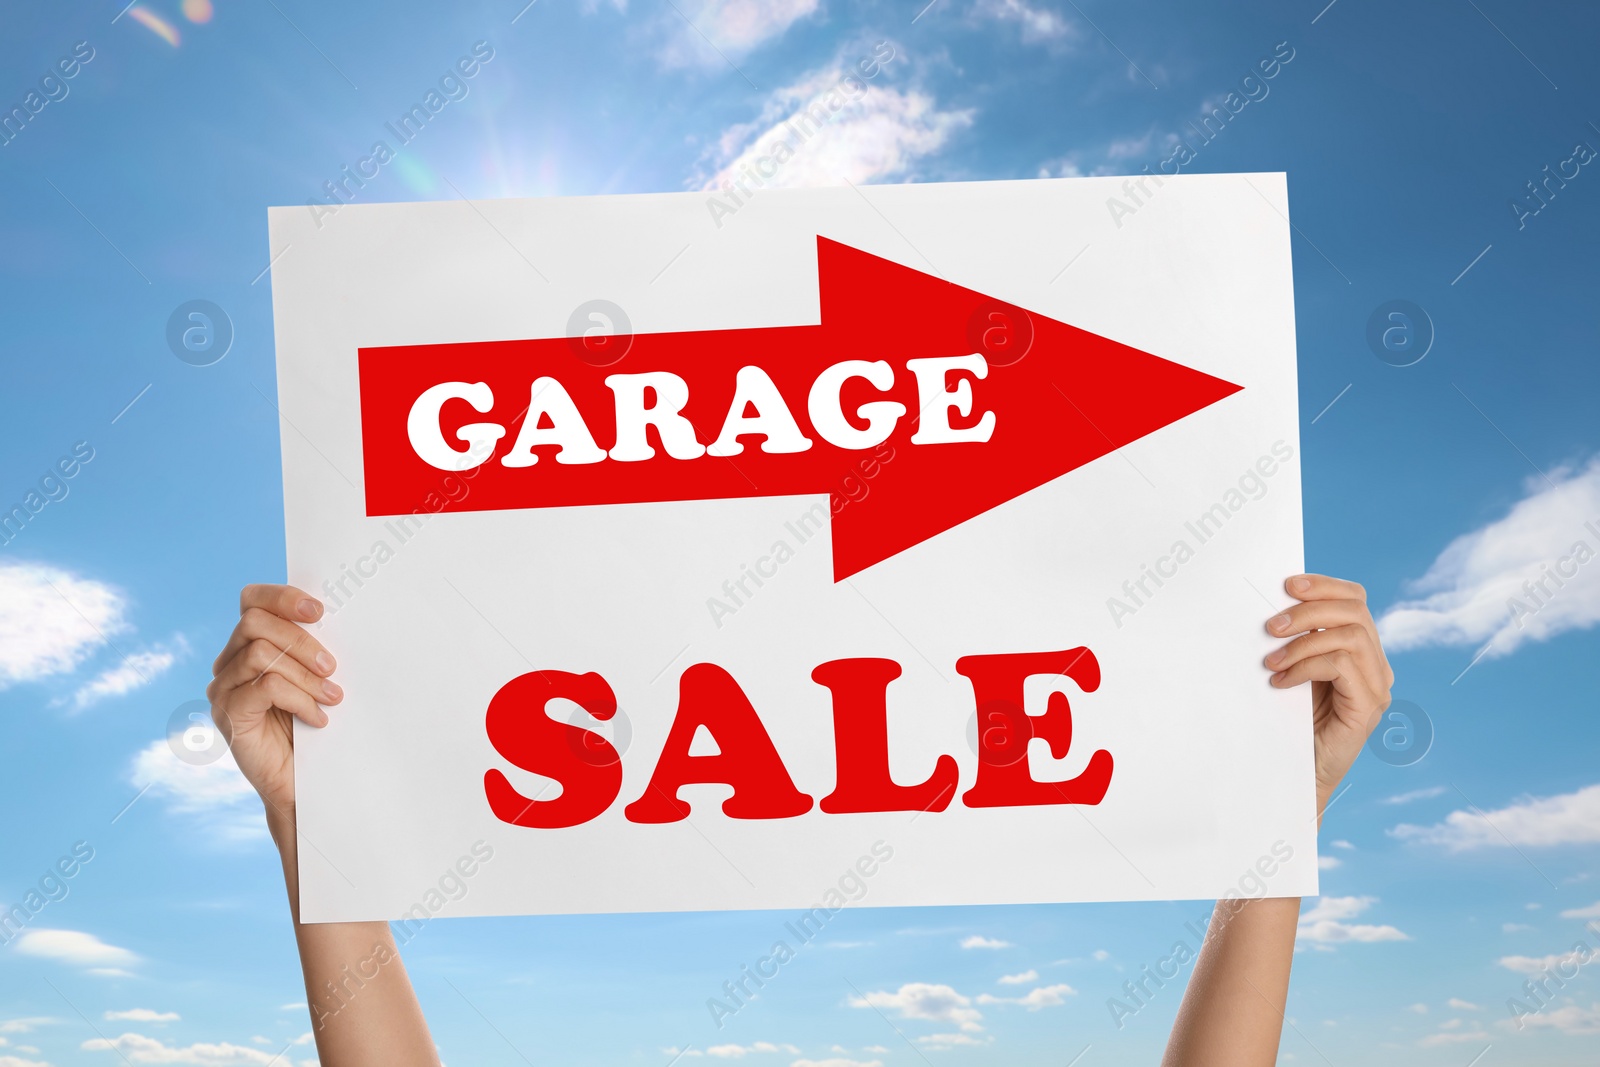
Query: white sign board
[{"x": 679, "y": 557}]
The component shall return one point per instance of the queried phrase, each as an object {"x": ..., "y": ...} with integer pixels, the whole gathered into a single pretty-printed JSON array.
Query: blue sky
[{"x": 1408, "y": 134}]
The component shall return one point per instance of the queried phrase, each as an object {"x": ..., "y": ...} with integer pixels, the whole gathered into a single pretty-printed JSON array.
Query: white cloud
[
  {"x": 1019, "y": 979},
  {"x": 1568, "y": 1019},
  {"x": 215, "y": 793},
  {"x": 952, "y": 1040},
  {"x": 1566, "y": 819},
  {"x": 1455, "y": 1037},
  {"x": 1060, "y": 168},
  {"x": 922, "y": 1000},
  {"x": 133, "y": 671},
  {"x": 1590, "y": 912},
  {"x": 1484, "y": 587},
  {"x": 978, "y": 941},
  {"x": 830, "y": 127},
  {"x": 51, "y": 620},
  {"x": 142, "y": 1015},
  {"x": 1328, "y": 863},
  {"x": 1344, "y": 845},
  {"x": 74, "y": 947},
  {"x": 137, "y": 1048},
  {"x": 1324, "y": 924},
  {"x": 1539, "y": 964},
  {"x": 1130, "y": 147},
  {"x": 737, "y": 1051},
  {"x": 1038, "y": 24},
  {"x": 1463, "y": 1005},
  {"x": 26, "y": 1025},
  {"x": 1049, "y": 996},
  {"x": 1420, "y": 1009},
  {"x": 1416, "y": 794},
  {"x": 724, "y": 31},
  {"x": 18, "y": 1061}
]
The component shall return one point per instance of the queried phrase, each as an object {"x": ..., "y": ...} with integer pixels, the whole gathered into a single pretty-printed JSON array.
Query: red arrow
[{"x": 1061, "y": 397}]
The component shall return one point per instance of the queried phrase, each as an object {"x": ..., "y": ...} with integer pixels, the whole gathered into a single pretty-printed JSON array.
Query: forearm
[
  {"x": 1232, "y": 1011},
  {"x": 363, "y": 1009}
]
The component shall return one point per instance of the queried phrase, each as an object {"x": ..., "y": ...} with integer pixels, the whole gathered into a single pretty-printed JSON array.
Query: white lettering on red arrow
[
  {"x": 657, "y": 398},
  {"x": 895, "y": 357}
]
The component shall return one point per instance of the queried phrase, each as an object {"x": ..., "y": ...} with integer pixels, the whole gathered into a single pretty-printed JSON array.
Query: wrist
[{"x": 281, "y": 825}]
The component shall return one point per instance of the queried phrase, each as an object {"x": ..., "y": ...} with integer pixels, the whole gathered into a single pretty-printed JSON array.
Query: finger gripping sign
[{"x": 679, "y": 563}]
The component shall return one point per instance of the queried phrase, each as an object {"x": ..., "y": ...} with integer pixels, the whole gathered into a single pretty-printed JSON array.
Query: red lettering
[
  {"x": 860, "y": 690},
  {"x": 589, "y": 768},
  {"x": 1004, "y": 779},
  {"x": 586, "y": 765},
  {"x": 762, "y": 789}
]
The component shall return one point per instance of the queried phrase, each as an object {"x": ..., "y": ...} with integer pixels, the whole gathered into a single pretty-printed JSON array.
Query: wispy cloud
[
  {"x": 938, "y": 1041},
  {"x": 26, "y": 1025},
  {"x": 736, "y": 1051},
  {"x": 1325, "y": 923},
  {"x": 1573, "y": 1019},
  {"x": 142, "y": 1015},
  {"x": 927, "y": 1001},
  {"x": 1527, "y": 576},
  {"x": 711, "y": 33},
  {"x": 831, "y": 126},
  {"x": 979, "y": 941},
  {"x": 1416, "y": 794},
  {"x": 1038, "y": 24},
  {"x": 77, "y": 949},
  {"x": 133, "y": 671},
  {"x": 139, "y": 1048},
  {"x": 1452, "y": 1034},
  {"x": 1540, "y": 964},
  {"x": 1567, "y": 819},
  {"x": 51, "y": 620},
  {"x": 215, "y": 794},
  {"x": 1048, "y": 996}
]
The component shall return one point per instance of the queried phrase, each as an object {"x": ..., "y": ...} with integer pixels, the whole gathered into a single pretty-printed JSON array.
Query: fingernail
[
  {"x": 331, "y": 691},
  {"x": 1274, "y": 658},
  {"x": 325, "y": 662},
  {"x": 324, "y": 720},
  {"x": 1279, "y": 676},
  {"x": 310, "y": 609},
  {"x": 1279, "y": 624},
  {"x": 1299, "y": 585}
]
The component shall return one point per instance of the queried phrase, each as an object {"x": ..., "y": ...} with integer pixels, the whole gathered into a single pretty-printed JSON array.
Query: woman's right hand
[{"x": 271, "y": 672}]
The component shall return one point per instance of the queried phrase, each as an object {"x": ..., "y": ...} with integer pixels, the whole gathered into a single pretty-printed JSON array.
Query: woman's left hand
[{"x": 1339, "y": 653}]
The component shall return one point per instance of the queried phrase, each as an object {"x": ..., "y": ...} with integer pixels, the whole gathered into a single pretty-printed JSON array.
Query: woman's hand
[
  {"x": 271, "y": 672},
  {"x": 1338, "y": 651},
  {"x": 1232, "y": 1012}
]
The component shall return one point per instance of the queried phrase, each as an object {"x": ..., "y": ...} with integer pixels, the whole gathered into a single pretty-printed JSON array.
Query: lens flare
[
  {"x": 156, "y": 25},
  {"x": 197, "y": 10}
]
